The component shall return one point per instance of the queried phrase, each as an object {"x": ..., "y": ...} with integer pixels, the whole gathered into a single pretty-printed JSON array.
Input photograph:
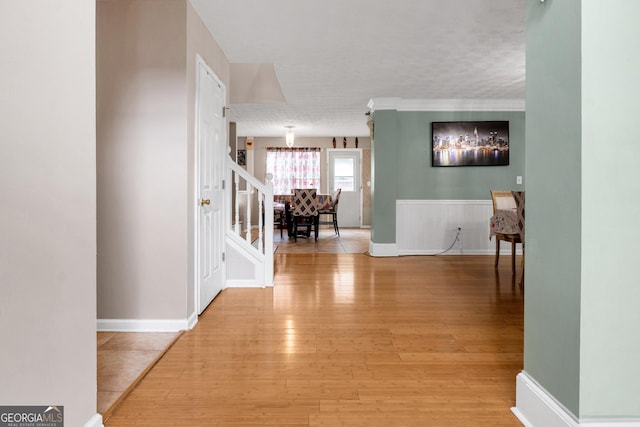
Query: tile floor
[
  {"x": 350, "y": 241},
  {"x": 123, "y": 359}
]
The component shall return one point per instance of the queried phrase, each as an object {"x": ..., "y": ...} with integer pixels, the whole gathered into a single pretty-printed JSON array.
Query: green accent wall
[
  {"x": 553, "y": 162},
  {"x": 582, "y": 287},
  {"x": 384, "y": 177},
  {"x": 401, "y": 156}
]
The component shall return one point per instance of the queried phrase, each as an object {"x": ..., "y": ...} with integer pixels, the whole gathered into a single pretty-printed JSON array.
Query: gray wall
[
  {"x": 402, "y": 164},
  {"x": 48, "y": 206},
  {"x": 581, "y": 314}
]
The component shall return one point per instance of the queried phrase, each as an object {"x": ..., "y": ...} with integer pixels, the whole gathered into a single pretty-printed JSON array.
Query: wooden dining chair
[
  {"x": 505, "y": 200},
  {"x": 519, "y": 198},
  {"x": 305, "y": 211},
  {"x": 333, "y": 210},
  {"x": 279, "y": 218}
]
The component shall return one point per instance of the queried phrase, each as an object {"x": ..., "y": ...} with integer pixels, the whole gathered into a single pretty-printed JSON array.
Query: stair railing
[{"x": 247, "y": 191}]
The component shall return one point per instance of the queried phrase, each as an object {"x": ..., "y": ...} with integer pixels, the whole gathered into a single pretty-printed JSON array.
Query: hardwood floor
[
  {"x": 346, "y": 340},
  {"x": 124, "y": 358}
]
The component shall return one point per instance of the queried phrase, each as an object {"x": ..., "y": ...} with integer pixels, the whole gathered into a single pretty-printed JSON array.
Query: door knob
[{"x": 205, "y": 202}]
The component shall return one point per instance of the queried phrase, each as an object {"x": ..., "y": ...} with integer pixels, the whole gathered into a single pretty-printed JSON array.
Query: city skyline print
[{"x": 470, "y": 143}]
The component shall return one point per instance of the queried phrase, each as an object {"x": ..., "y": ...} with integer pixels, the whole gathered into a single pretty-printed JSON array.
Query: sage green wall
[
  {"x": 402, "y": 163},
  {"x": 610, "y": 342},
  {"x": 384, "y": 173},
  {"x": 552, "y": 303},
  {"x": 582, "y": 289}
]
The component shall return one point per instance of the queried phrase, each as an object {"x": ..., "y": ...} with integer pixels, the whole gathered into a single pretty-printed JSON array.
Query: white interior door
[
  {"x": 344, "y": 172},
  {"x": 211, "y": 137}
]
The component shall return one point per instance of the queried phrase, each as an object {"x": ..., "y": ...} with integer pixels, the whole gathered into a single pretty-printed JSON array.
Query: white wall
[
  {"x": 48, "y": 206},
  {"x": 610, "y": 291}
]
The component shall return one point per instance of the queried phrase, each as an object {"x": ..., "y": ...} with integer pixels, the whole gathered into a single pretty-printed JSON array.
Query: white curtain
[{"x": 293, "y": 168}]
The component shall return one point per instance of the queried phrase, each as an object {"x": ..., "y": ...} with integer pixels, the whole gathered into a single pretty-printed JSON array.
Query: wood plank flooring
[{"x": 346, "y": 340}]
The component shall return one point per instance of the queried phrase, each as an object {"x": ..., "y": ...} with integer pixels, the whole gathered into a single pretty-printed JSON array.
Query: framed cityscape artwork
[{"x": 483, "y": 143}]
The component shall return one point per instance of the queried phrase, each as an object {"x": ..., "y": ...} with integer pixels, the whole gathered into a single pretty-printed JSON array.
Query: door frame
[
  {"x": 196, "y": 180},
  {"x": 358, "y": 152}
]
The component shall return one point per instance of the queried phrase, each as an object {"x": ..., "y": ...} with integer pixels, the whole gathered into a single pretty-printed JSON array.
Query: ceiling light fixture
[{"x": 289, "y": 138}]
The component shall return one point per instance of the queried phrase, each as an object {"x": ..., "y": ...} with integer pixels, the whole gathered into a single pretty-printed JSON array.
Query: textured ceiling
[{"x": 332, "y": 57}]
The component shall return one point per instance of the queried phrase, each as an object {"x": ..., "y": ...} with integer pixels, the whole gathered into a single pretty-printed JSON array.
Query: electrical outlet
[{"x": 518, "y": 180}]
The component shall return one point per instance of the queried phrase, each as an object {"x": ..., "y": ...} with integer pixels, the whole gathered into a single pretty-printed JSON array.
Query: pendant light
[{"x": 289, "y": 138}]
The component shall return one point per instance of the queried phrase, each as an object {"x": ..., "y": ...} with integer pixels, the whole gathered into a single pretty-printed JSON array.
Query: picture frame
[
  {"x": 470, "y": 143},
  {"x": 241, "y": 157}
]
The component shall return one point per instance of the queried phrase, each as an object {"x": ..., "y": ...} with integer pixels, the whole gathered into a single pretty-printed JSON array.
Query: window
[
  {"x": 343, "y": 173},
  {"x": 293, "y": 168}
]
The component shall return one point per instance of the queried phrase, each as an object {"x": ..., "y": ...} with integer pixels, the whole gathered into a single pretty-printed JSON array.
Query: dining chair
[
  {"x": 504, "y": 200},
  {"x": 333, "y": 210},
  {"x": 279, "y": 217},
  {"x": 518, "y": 196},
  {"x": 305, "y": 211}
]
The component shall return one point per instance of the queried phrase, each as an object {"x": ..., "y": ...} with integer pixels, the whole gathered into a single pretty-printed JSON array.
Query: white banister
[
  {"x": 247, "y": 230},
  {"x": 260, "y": 216},
  {"x": 248, "y": 190},
  {"x": 268, "y": 227},
  {"x": 236, "y": 222}
]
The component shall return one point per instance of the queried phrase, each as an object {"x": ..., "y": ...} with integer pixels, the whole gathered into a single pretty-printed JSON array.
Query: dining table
[
  {"x": 323, "y": 201},
  {"x": 283, "y": 202}
]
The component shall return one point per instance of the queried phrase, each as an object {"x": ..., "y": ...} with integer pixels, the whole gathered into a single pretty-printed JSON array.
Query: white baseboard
[
  {"x": 142, "y": 325},
  {"x": 383, "y": 249},
  {"x": 243, "y": 283},
  {"x": 453, "y": 251},
  {"x": 535, "y": 407},
  {"x": 192, "y": 320},
  {"x": 95, "y": 421}
]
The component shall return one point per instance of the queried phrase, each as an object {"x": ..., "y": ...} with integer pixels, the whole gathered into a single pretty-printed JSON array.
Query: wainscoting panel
[{"x": 425, "y": 227}]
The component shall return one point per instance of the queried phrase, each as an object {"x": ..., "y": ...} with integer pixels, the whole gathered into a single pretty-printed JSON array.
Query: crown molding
[{"x": 400, "y": 104}]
